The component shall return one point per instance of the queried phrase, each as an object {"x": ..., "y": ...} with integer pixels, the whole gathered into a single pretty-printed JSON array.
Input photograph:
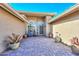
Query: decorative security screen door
[{"x": 41, "y": 30}]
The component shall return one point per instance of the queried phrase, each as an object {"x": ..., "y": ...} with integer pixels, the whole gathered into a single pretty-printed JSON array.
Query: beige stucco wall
[
  {"x": 35, "y": 18},
  {"x": 9, "y": 24},
  {"x": 68, "y": 27}
]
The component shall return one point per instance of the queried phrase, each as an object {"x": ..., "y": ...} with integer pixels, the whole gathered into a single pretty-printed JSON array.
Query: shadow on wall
[{"x": 3, "y": 44}]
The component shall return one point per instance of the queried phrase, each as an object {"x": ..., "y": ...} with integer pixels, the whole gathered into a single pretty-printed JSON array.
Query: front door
[
  {"x": 40, "y": 30},
  {"x": 36, "y": 29}
]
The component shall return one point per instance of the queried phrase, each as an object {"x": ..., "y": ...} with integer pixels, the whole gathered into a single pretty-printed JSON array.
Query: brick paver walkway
[{"x": 40, "y": 46}]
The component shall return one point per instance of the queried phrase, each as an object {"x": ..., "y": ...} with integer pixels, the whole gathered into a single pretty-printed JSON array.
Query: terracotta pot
[
  {"x": 14, "y": 46},
  {"x": 24, "y": 36},
  {"x": 50, "y": 35}
]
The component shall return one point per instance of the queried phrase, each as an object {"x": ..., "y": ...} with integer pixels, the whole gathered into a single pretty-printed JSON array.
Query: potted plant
[
  {"x": 57, "y": 37},
  {"x": 14, "y": 41},
  {"x": 75, "y": 45},
  {"x": 50, "y": 35},
  {"x": 25, "y": 36}
]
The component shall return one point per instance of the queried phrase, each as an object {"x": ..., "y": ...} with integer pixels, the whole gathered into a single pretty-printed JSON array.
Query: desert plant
[
  {"x": 14, "y": 41},
  {"x": 57, "y": 37},
  {"x": 74, "y": 41}
]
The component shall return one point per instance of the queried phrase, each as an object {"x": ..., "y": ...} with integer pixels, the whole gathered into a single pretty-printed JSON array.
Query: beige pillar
[
  {"x": 48, "y": 25},
  {"x": 26, "y": 28}
]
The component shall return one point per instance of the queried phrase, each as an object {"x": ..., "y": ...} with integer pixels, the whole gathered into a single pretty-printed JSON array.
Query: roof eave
[
  {"x": 38, "y": 13},
  {"x": 70, "y": 11},
  {"x": 13, "y": 12}
]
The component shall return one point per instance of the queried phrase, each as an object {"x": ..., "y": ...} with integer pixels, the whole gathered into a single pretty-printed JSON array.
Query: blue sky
[{"x": 57, "y": 8}]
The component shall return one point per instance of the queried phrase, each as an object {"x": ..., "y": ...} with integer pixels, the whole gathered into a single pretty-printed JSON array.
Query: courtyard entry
[{"x": 38, "y": 23}]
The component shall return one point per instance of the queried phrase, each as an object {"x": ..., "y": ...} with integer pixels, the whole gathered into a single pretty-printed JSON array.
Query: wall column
[
  {"x": 48, "y": 25},
  {"x": 26, "y": 28}
]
